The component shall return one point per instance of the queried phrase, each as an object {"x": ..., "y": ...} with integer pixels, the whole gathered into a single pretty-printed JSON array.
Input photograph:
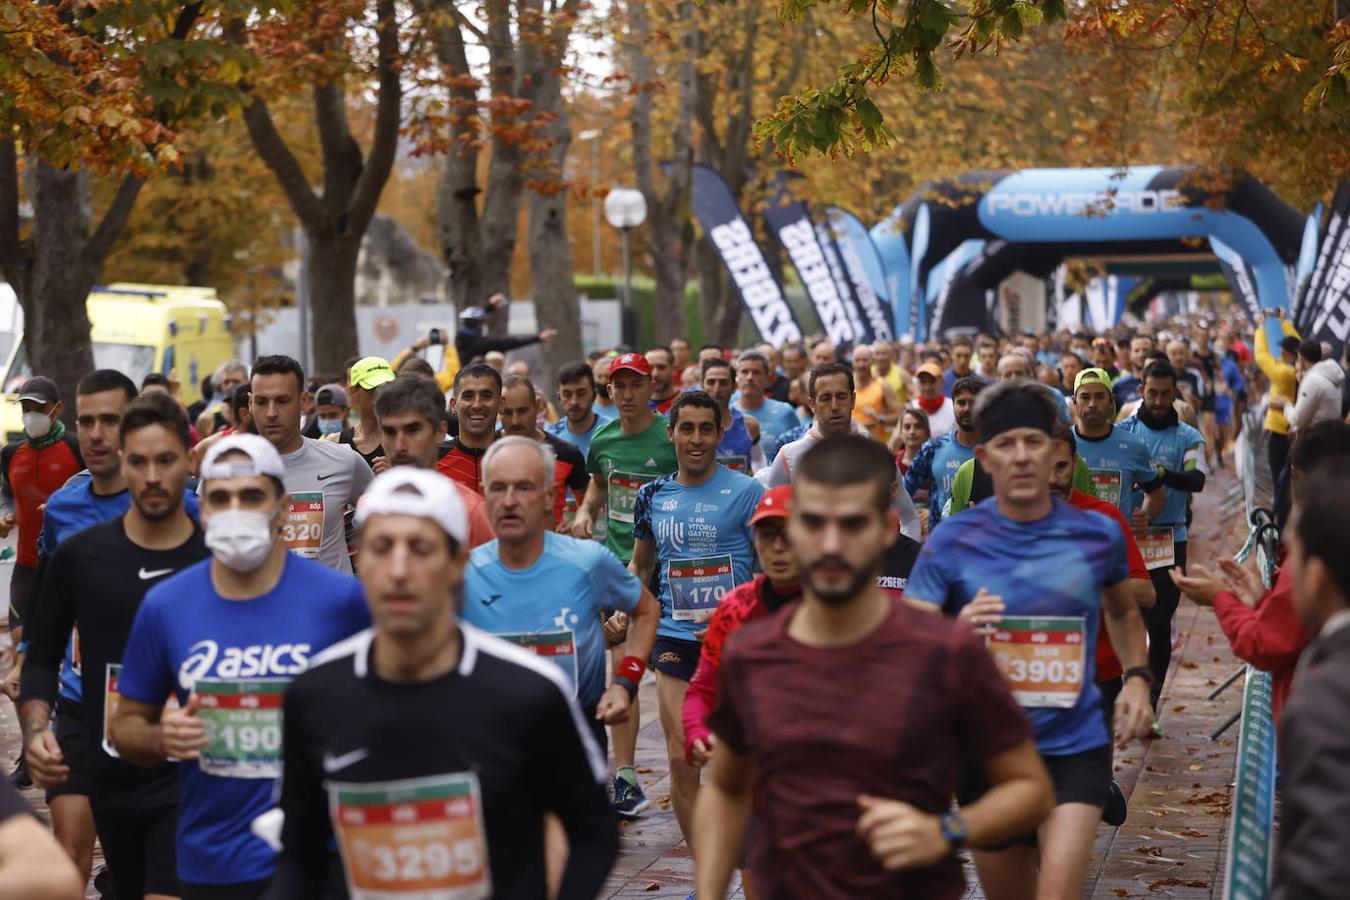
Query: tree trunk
[
  {"x": 719, "y": 302},
  {"x": 506, "y": 180},
  {"x": 332, "y": 298}
]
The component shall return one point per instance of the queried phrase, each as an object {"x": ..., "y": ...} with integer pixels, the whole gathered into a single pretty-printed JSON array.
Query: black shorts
[
  {"x": 20, "y": 586},
  {"x": 140, "y": 848},
  {"x": 676, "y": 657},
  {"x": 68, "y": 727},
  {"x": 245, "y": 890},
  {"x": 1083, "y": 777}
]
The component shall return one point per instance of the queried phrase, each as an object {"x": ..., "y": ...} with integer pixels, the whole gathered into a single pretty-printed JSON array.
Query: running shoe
[
  {"x": 1115, "y": 812},
  {"x": 629, "y": 801},
  {"x": 20, "y": 777}
]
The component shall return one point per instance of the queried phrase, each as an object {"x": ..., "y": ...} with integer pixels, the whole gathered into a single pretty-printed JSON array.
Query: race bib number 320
[
  {"x": 242, "y": 718},
  {"x": 302, "y": 529},
  {"x": 415, "y": 839},
  {"x": 698, "y": 585},
  {"x": 1041, "y": 659}
]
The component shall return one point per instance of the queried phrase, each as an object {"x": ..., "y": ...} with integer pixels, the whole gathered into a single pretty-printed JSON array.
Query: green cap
[
  {"x": 371, "y": 372},
  {"x": 1091, "y": 376}
]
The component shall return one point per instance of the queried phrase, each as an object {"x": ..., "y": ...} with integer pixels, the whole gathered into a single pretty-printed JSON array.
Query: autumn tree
[{"x": 89, "y": 87}]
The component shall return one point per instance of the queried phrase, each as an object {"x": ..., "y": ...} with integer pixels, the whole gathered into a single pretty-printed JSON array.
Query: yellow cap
[
  {"x": 371, "y": 372},
  {"x": 1091, "y": 376}
]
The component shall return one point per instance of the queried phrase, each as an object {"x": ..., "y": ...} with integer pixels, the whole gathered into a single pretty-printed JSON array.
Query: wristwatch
[
  {"x": 1143, "y": 672},
  {"x": 954, "y": 829}
]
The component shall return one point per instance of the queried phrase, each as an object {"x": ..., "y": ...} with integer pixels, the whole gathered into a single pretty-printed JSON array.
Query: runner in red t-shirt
[
  {"x": 847, "y": 716},
  {"x": 778, "y": 586}
]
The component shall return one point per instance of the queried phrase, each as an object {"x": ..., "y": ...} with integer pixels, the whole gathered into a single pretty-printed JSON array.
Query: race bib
[
  {"x": 1107, "y": 484},
  {"x": 415, "y": 839},
  {"x": 1041, "y": 659},
  {"x": 302, "y": 529},
  {"x": 242, "y": 718},
  {"x": 623, "y": 488},
  {"x": 558, "y": 647},
  {"x": 1157, "y": 546},
  {"x": 736, "y": 463},
  {"x": 698, "y": 585}
]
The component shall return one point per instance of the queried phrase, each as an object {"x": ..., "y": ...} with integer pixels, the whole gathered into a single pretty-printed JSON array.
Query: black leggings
[
  {"x": 1158, "y": 618},
  {"x": 246, "y": 890},
  {"x": 139, "y": 848},
  {"x": 1277, "y": 454}
]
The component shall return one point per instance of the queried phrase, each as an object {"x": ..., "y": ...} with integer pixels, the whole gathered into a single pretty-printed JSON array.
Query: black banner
[
  {"x": 1324, "y": 309},
  {"x": 876, "y": 313},
  {"x": 791, "y": 224},
  {"x": 724, "y": 225}
]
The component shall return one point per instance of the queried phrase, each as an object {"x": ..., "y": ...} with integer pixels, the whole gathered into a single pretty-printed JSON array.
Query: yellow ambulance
[{"x": 138, "y": 329}]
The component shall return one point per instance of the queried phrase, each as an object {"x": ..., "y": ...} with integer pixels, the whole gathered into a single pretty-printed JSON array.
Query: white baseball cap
[
  {"x": 409, "y": 491},
  {"x": 263, "y": 458}
]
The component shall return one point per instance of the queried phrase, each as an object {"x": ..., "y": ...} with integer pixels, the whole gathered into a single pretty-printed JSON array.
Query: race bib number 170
[
  {"x": 698, "y": 585},
  {"x": 414, "y": 839}
]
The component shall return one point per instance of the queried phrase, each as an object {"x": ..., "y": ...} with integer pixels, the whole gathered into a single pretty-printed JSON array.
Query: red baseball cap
[
  {"x": 633, "y": 362},
  {"x": 773, "y": 505}
]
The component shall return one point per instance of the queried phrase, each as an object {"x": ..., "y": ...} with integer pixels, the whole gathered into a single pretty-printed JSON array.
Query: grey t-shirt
[{"x": 323, "y": 478}]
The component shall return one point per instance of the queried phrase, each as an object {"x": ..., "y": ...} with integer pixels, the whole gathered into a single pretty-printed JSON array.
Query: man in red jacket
[{"x": 1261, "y": 625}]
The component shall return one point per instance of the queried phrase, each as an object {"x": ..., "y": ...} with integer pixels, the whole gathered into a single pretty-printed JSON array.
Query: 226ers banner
[
  {"x": 412, "y": 839},
  {"x": 1041, "y": 658}
]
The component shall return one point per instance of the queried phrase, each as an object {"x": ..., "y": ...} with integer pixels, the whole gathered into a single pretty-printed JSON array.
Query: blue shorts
[{"x": 1223, "y": 410}]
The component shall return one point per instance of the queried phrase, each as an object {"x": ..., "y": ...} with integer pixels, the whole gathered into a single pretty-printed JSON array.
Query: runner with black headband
[{"x": 1033, "y": 574}]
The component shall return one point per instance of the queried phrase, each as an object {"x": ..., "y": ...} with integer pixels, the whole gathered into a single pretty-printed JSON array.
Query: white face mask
[
  {"x": 36, "y": 424},
  {"x": 240, "y": 539}
]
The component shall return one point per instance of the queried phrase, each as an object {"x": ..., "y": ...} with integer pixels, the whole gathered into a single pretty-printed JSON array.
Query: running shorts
[
  {"x": 68, "y": 726},
  {"x": 675, "y": 657}
]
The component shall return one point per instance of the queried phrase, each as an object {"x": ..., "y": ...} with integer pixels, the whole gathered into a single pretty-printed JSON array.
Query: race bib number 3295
[{"x": 413, "y": 839}]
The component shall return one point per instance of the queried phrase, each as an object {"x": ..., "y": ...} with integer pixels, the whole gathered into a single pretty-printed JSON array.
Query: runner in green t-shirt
[{"x": 625, "y": 454}]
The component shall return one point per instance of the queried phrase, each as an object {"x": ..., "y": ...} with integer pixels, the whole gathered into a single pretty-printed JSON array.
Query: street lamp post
[{"x": 626, "y": 209}]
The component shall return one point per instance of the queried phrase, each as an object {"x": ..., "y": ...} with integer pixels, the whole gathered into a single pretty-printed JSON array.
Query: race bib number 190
[
  {"x": 1041, "y": 659},
  {"x": 302, "y": 529},
  {"x": 415, "y": 839},
  {"x": 242, "y": 718},
  {"x": 698, "y": 585}
]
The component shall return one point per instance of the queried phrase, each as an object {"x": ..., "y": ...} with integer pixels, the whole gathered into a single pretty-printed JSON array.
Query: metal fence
[{"x": 1251, "y": 831}]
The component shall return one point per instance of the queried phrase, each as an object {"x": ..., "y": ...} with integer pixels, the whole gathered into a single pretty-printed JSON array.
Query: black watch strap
[{"x": 1143, "y": 672}]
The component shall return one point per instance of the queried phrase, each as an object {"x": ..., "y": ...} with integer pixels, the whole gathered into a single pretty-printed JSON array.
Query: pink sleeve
[{"x": 698, "y": 702}]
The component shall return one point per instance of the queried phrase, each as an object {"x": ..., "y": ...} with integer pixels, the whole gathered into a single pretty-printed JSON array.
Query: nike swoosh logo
[
  {"x": 488, "y": 601},
  {"x": 333, "y": 763},
  {"x": 146, "y": 576},
  {"x": 326, "y": 477}
]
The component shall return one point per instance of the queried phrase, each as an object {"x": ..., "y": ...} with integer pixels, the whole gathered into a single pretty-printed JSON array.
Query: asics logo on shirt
[
  {"x": 146, "y": 576},
  {"x": 333, "y": 763},
  {"x": 241, "y": 662}
]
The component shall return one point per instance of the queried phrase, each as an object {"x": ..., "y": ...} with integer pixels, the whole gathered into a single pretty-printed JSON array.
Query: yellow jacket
[
  {"x": 445, "y": 378},
  {"x": 1283, "y": 378}
]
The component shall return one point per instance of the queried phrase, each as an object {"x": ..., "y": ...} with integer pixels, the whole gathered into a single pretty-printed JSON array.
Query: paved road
[{"x": 1172, "y": 845}]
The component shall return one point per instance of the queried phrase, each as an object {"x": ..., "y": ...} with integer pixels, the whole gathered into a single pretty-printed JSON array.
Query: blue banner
[
  {"x": 865, "y": 273},
  {"x": 722, "y": 222}
]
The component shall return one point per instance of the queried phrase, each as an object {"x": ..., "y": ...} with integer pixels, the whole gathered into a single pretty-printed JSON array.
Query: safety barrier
[{"x": 1251, "y": 828}]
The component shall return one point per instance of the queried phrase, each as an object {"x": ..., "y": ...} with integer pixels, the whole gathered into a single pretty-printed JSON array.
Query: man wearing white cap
[
  {"x": 461, "y": 738},
  {"x": 224, "y": 638}
]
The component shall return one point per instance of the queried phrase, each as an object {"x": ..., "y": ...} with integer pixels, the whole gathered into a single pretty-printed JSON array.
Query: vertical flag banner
[
  {"x": 722, "y": 222},
  {"x": 791, "y": 224},
  {"x": 863, "y": 267},
  {"x": 1324, "y": 313},
  {"x": 1240, "y": 279}
]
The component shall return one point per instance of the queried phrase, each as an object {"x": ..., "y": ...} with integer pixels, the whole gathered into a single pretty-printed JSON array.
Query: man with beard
[
  {"x": 850, "y": 803},
  {"x": 1119, "y": 461},
  {"x": 580, "y": 421},
  {"x": 740, "y": 448},
  {"x": 477, "y": 400},
  {"x": 520, "y": 410},
  {"x": 97, "y": 580},
  {"x": 664, "y": 388}
]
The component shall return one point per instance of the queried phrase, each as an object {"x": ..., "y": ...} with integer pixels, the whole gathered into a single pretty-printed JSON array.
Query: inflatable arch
[{"x": 978, "y": 227}]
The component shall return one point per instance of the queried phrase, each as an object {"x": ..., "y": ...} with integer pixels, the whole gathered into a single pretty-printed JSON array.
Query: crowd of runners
[{"x": 380, "y": 633}]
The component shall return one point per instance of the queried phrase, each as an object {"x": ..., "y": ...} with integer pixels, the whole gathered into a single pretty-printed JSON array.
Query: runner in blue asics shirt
[
  {"x": 225, "y": 637},
  {"x": 1119, "y": 460},
  {"x": 1033, "y": 573},
  {"x": 1175, "y": 450},
  {"x": 550, "y": 593},
  {"x": 691, "y": 534}
]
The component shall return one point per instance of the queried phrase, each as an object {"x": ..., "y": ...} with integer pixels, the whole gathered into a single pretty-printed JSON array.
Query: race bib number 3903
[
  {"x": 302, "y": 529},
  {"x": 698, "y": 585},
  {"x": 415, "y": 839},
  {"x": 242, "y": 718},
  {"x": 1041, "y": 659}
]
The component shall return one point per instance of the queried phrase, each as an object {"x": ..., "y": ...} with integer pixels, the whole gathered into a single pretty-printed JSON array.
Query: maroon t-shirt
[{"x": 892, "y": 716}]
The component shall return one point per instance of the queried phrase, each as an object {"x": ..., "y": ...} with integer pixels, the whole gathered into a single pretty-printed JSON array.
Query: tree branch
[
  {"x": 187, "y": 17},
  {"x": 272, "y": 149},
  {"x": 11, "y": 249},
  {"x": 384, "y": 145},
  {"x": 341, "y": 154},
  {"x": 114, "y": 220}
]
